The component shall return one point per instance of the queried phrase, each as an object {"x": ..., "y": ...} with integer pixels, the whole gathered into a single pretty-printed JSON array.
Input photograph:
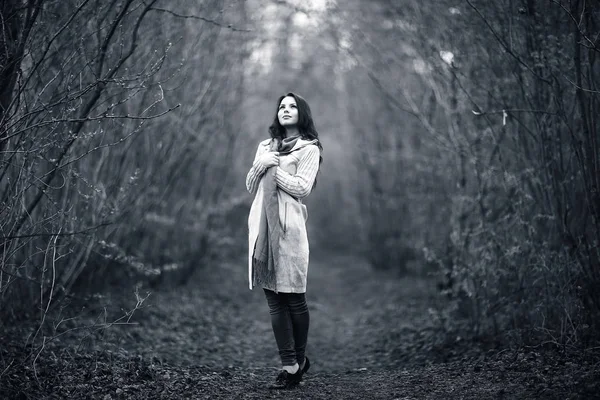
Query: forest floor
[{"x": 372, "y": 336}]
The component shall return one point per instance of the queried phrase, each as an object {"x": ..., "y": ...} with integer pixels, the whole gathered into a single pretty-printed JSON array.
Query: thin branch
[
  {"x": 110, "y": 144},
  {"x": 504, "y": 46},
  {"x": 210, "y": 21},
  {"x": 7, "y": 367},
  {"x": 377, "y": 82},
  {"x": 581, "y": 88},
  {"x": 92, "y": 228},
  {"x": 56, "y": 34},
  {"x": 513, "y": 110},
  {"x": 578, "y": 24},
  {"x": 92, "y": 118}
]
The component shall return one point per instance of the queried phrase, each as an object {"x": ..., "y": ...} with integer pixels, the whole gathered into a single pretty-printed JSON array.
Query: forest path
[
  {"x": 372, "y": 336},
  {"x": 218, "y": 321}
]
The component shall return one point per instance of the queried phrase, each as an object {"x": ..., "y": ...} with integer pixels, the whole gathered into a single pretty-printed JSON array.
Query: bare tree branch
[
  {"x": 504, "y": 46},
  {"x": 53, "y": 234},
  {"x": 210, "y": 21},
  {"x": 592, "y": 45}
]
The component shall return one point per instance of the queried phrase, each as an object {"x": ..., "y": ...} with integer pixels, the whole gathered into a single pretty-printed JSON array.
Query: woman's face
[{"x": 288, "y": 112}]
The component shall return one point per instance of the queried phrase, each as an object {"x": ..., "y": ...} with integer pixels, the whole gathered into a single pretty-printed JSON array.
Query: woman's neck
[{"x": 291, "y": 132}]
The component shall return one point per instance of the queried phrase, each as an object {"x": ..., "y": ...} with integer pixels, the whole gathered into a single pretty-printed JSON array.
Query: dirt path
[
  {"x": 372, "y": 336},
  {"x": 355, "y": 313}
]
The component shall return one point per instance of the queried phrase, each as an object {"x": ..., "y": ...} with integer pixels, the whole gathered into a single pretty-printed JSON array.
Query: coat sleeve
[
  {"x": 301, "y": 184},
  {"x": 256, "y": 171}
]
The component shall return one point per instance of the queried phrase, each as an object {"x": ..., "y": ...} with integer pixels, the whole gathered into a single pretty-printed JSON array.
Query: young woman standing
[{"x": 283, "y": 173}]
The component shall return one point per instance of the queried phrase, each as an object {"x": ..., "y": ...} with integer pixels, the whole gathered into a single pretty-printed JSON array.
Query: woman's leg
[
  {"x": 300, "y": 321},
  {"x": 282, "y": 327}
]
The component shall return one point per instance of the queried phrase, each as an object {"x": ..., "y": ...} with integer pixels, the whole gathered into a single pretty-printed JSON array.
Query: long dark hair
[{"x": 306, "y": 126}]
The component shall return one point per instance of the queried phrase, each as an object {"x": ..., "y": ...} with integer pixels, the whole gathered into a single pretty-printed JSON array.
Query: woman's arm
[
  {"x": 256, "y": 171},
  {"x": 301, "y": 184}
]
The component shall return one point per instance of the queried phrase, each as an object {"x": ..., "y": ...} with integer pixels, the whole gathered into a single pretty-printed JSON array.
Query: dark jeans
[{"x": 290, "y": 320}]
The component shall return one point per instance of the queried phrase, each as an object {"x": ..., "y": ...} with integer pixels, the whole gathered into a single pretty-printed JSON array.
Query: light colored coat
[{"x": 295, "y": 176}]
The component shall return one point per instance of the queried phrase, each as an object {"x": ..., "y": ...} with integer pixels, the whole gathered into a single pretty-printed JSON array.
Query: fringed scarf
[{"x": 266, "y": 248}]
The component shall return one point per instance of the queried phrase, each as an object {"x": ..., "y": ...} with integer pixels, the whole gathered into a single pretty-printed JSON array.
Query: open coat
[{"x": 295, "y": 176}]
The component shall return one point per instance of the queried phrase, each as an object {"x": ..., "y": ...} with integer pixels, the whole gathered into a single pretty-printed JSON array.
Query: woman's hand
[{"x": 269, "y": 159}]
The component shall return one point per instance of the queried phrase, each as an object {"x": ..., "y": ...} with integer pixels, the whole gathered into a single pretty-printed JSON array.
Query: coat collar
[{"x": 299, "y": 144}]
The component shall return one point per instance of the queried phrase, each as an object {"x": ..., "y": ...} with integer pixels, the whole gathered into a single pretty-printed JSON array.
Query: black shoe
[
  {"x": 306, "y": 365},
  {"x": 294, "y": 379},
  {"x": 285, "y": 380}
]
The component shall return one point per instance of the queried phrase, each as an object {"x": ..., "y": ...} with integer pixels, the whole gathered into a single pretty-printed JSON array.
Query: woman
[{"x": 284, "y": 171}]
